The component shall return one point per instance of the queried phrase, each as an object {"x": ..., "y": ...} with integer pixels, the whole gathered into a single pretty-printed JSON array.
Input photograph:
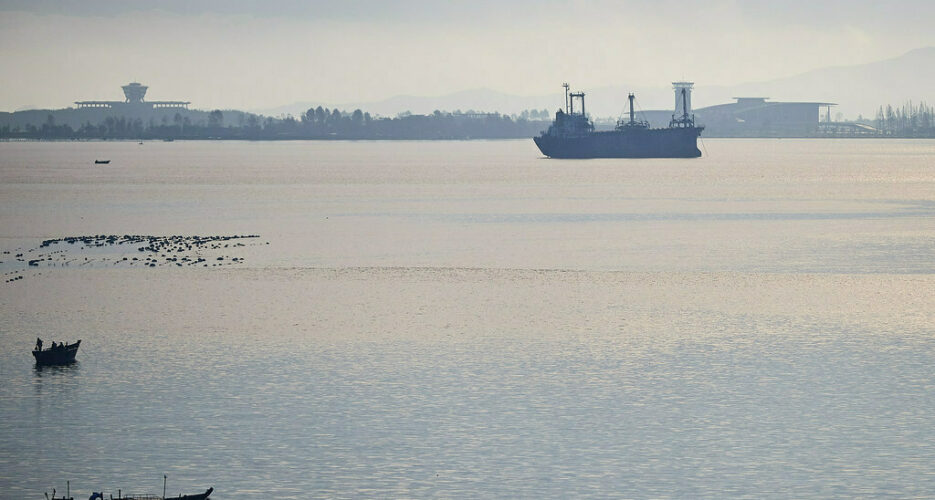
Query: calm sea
[{"x": 470, "y": 320}]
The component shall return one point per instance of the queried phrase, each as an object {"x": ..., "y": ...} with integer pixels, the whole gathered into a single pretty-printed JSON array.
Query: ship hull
[
  {"x": 59, "y": 355},
  {"x": 679, "y": 142}
]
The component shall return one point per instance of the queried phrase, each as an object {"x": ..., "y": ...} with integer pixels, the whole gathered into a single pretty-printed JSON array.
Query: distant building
[
  {"x": 755, "y": 117},
  {"x": 134, "y": 93}
]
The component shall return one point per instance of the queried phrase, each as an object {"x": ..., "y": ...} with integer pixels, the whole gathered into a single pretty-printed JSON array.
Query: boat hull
[
  {"x": 676, "y": 142},
  {"x": 57, "y": 355},
  {"x": 197, "y": 496}
]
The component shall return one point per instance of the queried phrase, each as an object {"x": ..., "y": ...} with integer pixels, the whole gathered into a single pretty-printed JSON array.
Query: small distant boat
[
  {"x": 101, "y": 162},
  {"x": 197, "y": 496},
  {"x": 168, "y": 139},
  {"x": 63, "y": 497},
  {"x": 58, "y": 354}
]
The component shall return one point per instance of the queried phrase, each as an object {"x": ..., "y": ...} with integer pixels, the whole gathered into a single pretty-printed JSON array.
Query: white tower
[{"x": 683, "y": 99}]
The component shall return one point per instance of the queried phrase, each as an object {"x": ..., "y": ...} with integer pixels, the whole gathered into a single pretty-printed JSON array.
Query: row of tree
[
  {"x": 910, "y": 120},
  {"x": 316, "y": 123}
]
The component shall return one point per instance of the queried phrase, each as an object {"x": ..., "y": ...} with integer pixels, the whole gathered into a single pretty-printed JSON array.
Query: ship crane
[
  {"x": 632, "y": 123},
  {"x": 571, "y": 102},
  {"x": 683, "y": 104}
]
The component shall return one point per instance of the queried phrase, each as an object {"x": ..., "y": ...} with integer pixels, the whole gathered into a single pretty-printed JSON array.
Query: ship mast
[
  {"x": 632, "y": 117},
  {"x": 572, "y": 96},
  {"x": 567, "y": 109}
]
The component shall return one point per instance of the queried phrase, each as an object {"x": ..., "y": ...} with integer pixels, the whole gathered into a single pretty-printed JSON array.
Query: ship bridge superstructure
[{"x": 570, "y": 122}]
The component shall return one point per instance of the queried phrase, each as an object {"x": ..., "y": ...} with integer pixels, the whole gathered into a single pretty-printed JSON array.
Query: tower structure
[
  {"x": 134, "y": 92},
  {"x": 683, "y": 98},
  {"x": 683, "y": 104}
]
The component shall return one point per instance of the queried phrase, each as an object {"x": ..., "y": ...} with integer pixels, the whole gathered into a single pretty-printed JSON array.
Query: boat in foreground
[
  {"x": 58, "y": 354},
  {"x": 197, "y": 496},
  {"x": 572, "y": 134}
]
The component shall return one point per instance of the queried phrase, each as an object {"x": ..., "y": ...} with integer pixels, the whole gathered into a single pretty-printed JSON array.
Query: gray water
[{"x": 470, "y": 320}]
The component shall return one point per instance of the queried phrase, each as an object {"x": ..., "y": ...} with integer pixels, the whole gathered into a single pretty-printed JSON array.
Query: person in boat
[
  {"x": 38, "y": 344},
  {"x": 53, "y": 344}
]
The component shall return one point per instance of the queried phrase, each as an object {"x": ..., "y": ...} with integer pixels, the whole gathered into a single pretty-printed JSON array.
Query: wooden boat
[
  {"x": 102, "y": 162},
  {"x": 63, "y": 497},
  {"x": 197, "y": 496},
  {"x": 58, "y": 354}
]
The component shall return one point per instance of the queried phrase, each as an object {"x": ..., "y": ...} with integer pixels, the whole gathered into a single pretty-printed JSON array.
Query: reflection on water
[
  {"x": 49, "y": 372},
  {"x": 464, "y": 320}
]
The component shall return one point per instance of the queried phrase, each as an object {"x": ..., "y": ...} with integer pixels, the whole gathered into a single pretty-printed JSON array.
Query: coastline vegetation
[
  {"x": 910, "y": 120},
  {"x": 316, "y": 123}
]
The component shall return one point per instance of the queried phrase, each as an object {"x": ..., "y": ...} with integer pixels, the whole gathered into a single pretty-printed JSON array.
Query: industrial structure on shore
[
  {"x": 759, "y": 117},
  {"x": 134, "y": 93},
  {"x": 756, "y": 117}
]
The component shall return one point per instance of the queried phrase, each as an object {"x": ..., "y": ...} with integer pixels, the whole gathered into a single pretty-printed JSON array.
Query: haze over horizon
[{"x": 247, "y": 55}]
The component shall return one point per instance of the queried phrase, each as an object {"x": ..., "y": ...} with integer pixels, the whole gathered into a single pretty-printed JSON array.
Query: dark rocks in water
[{"x": 156, "y": 250}]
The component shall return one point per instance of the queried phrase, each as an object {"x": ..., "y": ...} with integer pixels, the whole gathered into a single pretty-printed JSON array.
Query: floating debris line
[{"x": 128, "y": 250}]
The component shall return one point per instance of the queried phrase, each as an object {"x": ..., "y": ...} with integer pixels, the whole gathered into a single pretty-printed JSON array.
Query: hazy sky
[{"x": 259, "y": 54}]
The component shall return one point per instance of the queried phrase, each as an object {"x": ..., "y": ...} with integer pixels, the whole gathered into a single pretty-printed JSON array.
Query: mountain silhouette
[{"x": 857, "y": 89}]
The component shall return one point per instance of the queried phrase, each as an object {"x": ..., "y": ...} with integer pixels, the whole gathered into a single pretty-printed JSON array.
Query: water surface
[{"x": 468, "y": 319}]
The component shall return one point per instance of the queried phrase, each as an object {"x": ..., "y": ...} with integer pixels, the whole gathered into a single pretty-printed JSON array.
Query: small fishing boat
[
  {"x": 58, "y": 354},
  {"x": 197, "y": 496},
  {"x": 101, "y": 162},
  {"x": 64, "y": 497}
]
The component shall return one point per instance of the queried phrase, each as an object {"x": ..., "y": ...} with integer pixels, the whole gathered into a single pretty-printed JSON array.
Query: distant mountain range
[{"x": 859, "y": 89}]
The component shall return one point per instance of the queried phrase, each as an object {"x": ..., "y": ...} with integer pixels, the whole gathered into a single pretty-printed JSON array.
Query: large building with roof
[
  {"x": 758, "y": 117},
  {"x": 752, "y": 117},
  {"x": 135, "y": 93}
]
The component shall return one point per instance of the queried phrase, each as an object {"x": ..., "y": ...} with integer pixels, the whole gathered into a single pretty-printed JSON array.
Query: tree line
[
  {"x": 909, "y": 120},
  {"x": 315, "y": 123}
]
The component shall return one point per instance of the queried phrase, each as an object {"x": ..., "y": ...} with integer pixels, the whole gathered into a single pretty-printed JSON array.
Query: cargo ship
[{"x": 572, "y": 134}]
